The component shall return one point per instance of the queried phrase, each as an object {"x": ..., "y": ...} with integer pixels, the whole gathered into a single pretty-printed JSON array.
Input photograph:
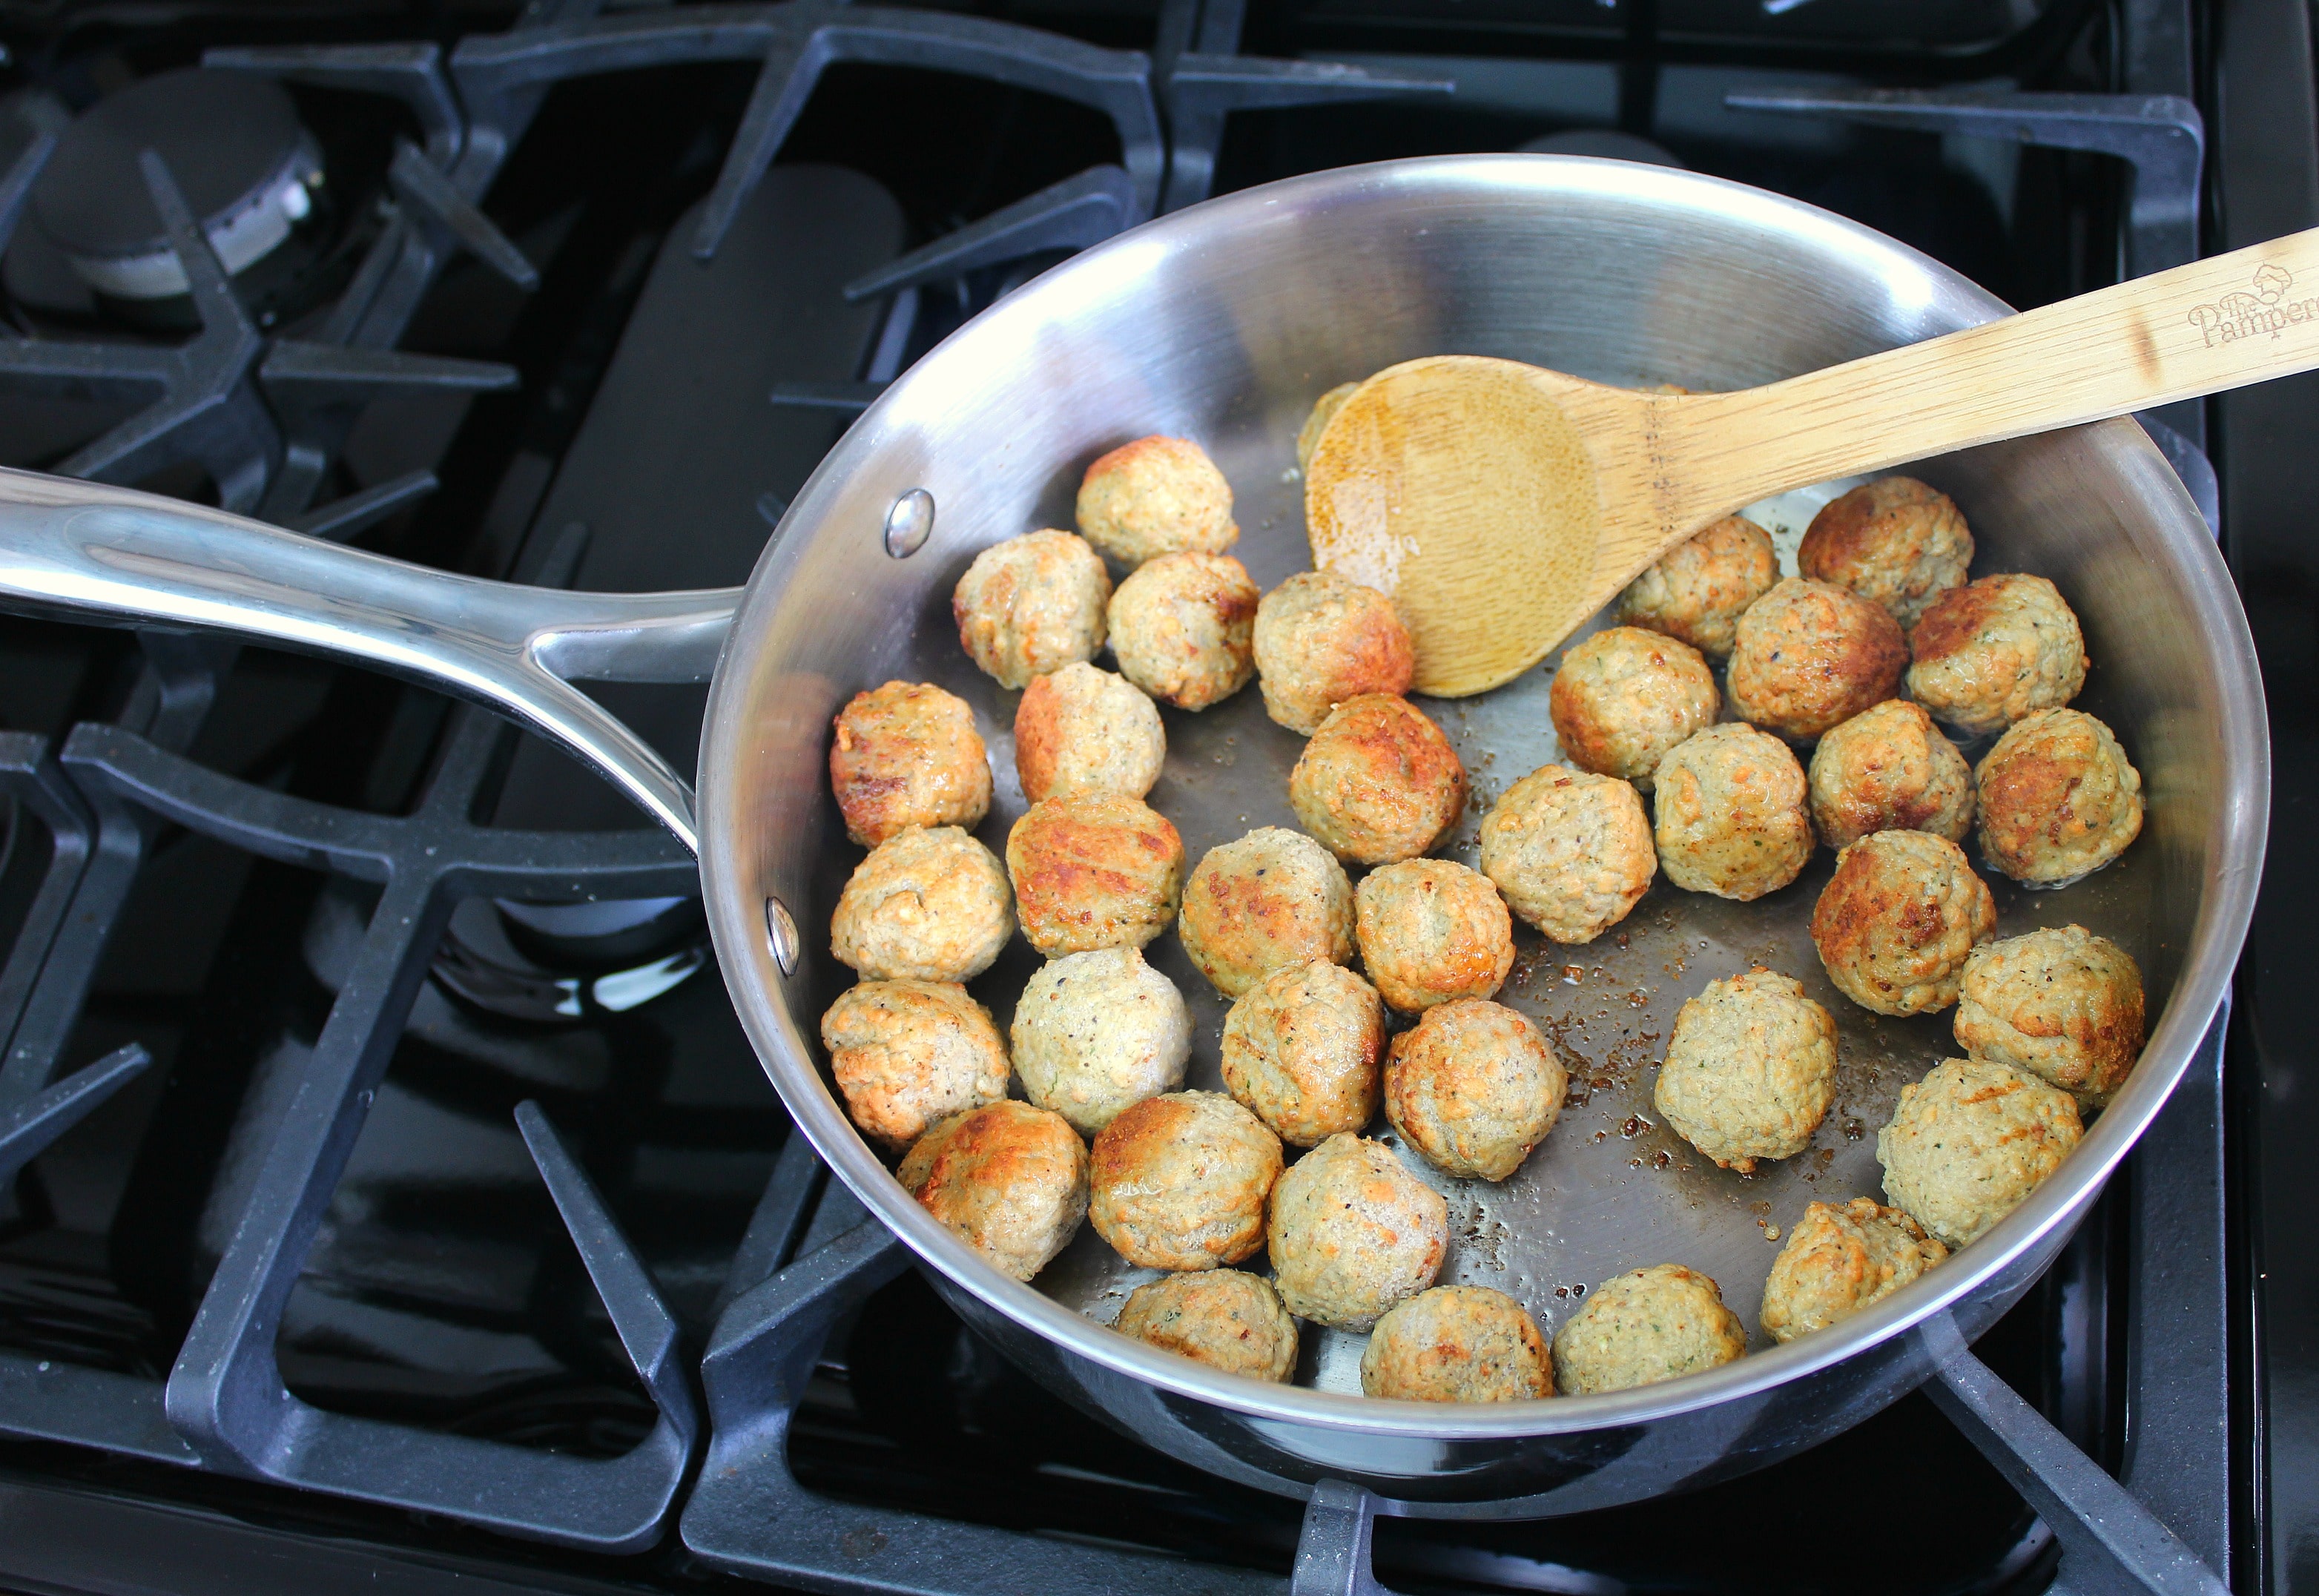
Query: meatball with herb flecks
[
  {"x": 1840, "y": 1260},
  {"x": 1182, "y": 628},
  {"x": 1699, "y": 588},
  {"x": 2063, "y": 1004},
  {"x": 1969, "y": 1142},
  {"x": 1093, "y": 872},
  {"x": 1432, "y": 930},
  {"x": 1729, "y": 814},
  {"x": 1178, "y": 1181},
  {"x": 927, "y": 904},
  {"x": 1273, "y": 897},
  {"x": 1810, "y": 655},
  {"x": 2059, "y": 798},
  {"x": 907, "y": 754},
  {"x": 1321, "y": 638},
  {"x": 1095, "y": 1032},
  {"x": 1008, "y": 1179},
  {"x": 1624, "y": 698},
  {"x": 1890, "y": 769},
  {"x": 1895, "y": 923},
  {"x": 1989, "y": 652},
  {"x": 1570, "y": 852},
  {"x": 907, "y": 1053},
  {"x": 1457, "y": 1344},
  {"x": 1302, "y": 1048},
  {"x": 1351, "y": 1233},
  {"x": 1648, "y": 1325},
  {"x": 1156, "y": 496},
  {"x": 1032, "y": 605},
  {"x": 1226, "y": 1319},
  {"x": 1896, "y": 542},
  {"x": 1474, "y": 1088},
  {"x": 1750, "y": 1071},
  {"x": 1378, "y": 782},
  {"x": 1081, "y": 732}
]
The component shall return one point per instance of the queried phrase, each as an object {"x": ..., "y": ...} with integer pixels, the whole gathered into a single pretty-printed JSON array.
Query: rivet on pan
[
  {"x": 909, "y": 523},
  {"x": 781, "y": 935}
]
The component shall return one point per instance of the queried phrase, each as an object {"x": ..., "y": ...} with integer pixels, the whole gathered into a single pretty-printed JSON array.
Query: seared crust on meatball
[
  {"x": 1183, "y": 628},
  {"x": 907, "y": 754},
  {"x": 1646, "y": 1326},
  {"x": 1320, "y": 639},
  {"x": 1993, "y": 651},
  {"x": 1080, "y": 731},
  {"x": 926, "y": 906},
  {"x": 1896, "y": 542},
  {"x": 1093, "y": 872},
  {"x": 2065, "y": 1005},
  {"x": 1156, "y": 496},
  {"x": 1729, "y": 815},
  {"x": 1178, "y": 1181},
  {"x": 1273, "y": 897},
  {"x": 1969, "y": 1141},
  {"x": 1008, "y": 1179},
  {"x": 1225, "y": 1318},
  {"x": 1890, "y": 769},
  {"x": 1897, "y": 921},
  {"x": 1378, "y": 782},
  {"x": 1811, "y": 655},
  {"x": 908, "y": 1053},
  {"x": 2059, "y": 798},
  {"x": 1301, "y": 1048},
  {"x": 1095, "y": 1032},
  {"x": 1623, "y": 699},
  {"x": 1699, "y": 588},
  {"x": 1839, "y": 1260},
  {"x": 1570, "y": 852},
  {"x": 1457, "y": 1344},
  {"x": 1750, "y": 1071},
  {"x": 1324, "y": 411},
  {"x": 1432, "y": 930},
  {"x": 1031, "y": 605},
  {"x": 1351, "y": 1233},
  {"x": 1474, "y": 1088}
]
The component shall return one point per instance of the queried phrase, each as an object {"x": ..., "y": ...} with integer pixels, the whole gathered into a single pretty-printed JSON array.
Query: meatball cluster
[
  {"x": 1082, "y": 733},
  {"x": 907, "y": 755},
  {"x": 1008, "y": 1179},
  {"x": 1993, "y": 651},
  {"x": 1096, "y": 1032},
  {"x": 1430, "y": 931},
  {"x": 1320, "y": 639},
  {"x": 1457, "y": 1344},
  {"x": 1093, "y": 872},
  {"x": 1890, "y": 769},
  {"x": 1273, "y": 897},
  {"x": 926, "y": 906},
  {"x": 1969, "y": 1142},
  {"x": 1896, "y": 542},
  {"x": 2064, "y": 1006},
  {"x": 1750, "y": 1070},
  {"x": 1810, "y": 655},
  {"x": 1183, "y": 628},
  {"x": 2059, "y": 798},
  {"x": 1623, "y": 699},
  {"x": 908, "y": 1053},
  {"x": 1378, "y": 782},
  {"x": 1839, "y": 1260},
  {"x": 1648, "y": 1325},
  {"x": 1570, "y": 852},
  {"x": 1032, "y": 605},
  {"x": 1301, "y": 1048},
  {"x": 1699, "y": 588},
  {"x": 1895, "y": 923},
  {"x": 1729, "y": 816},
  {"x": 1179, "y": 1181},
  {"x": 1474, "y": 1087},
  {"x": 1156, "y": 496},
  {"x": 1223, "y": 1318},
  {"x": 1351, "y": 1233}
]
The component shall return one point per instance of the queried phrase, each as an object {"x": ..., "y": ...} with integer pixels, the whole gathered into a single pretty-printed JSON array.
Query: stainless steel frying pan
[{"x": 1223, "y": 323}]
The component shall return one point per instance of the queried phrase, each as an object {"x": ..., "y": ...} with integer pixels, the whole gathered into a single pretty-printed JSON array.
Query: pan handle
[{"x": 118, "y": 556}]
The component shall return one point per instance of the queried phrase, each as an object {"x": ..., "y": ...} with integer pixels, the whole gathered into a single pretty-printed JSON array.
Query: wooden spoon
[{"x": 1500, "y": 504}]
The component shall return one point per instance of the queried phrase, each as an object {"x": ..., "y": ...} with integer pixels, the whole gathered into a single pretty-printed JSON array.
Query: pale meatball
[
  {"x": 1699, "y": 588},
  {"x": 1432, "y": 930},
  {"x": 1324, "y": 411},
  {"x": 1839, "y": 1260},
  {"x": 1320, "y": 639},
  {"x": 908, "y": 1053},
  {"x": 1303, "y": 1047},
  {"x": 1895, "y": 923},
  {"x": 1178, "y": 1181},
  {"x": 1223, "y": 1317},
  {"x": 1378, "y": 782},
  {"x": 1623, "y": 699},
  {"x": 1993, "y": 651},
  {"x": 1351, "y": 1233},
  {"x": 1156, "y": 496},
  {"x": 1890, "y": 769},
  {"x": 1896, "y": 542},
  {"x": 2059, "y": 798},
  {"x": 1750, "y": 1070},
  {"x": 1808, "y": 656},
  {"x": 1457, "y": 1344},
  {"x": 1183, "y": 628},
  {"x": 1094, "y": 1032},
  {"x": 1648, "y": 1325},
  {"x": 2065, "y": 1005},
  {"x": 1008, "y": 1179},
  {"x": 907, "y": 754},
  {"x": 926, "y": 906},
  {"x": 1474, "y": 1087},
  {"x": 1729, "y": 816},
  {"x": 1082, "y": 732},
  {"x": 1570, "y": 852},
  {"x": 1093, "y": 872},
  {"x": 1031, "y": 605},
  {"x": 1969, "y": 1141},
  {"x": 1275, "y": 898}
]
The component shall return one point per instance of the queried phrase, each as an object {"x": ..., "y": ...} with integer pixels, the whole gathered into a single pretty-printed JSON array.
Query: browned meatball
[
  {"x": 1993, "y": 651},
  {"x": 1890, "y": 769},
  {"x": 1273, "y": 897},
  {"x": 1897, "y": 921},
  {"x": 2063, "y": 1004},
  {"x": 1969, "y": 1142},
  {"x": 1031, "y": 605},
  {"x": 1301, "y": 1048},
  {"x": 908, "y": 1053},
  {"x": 1008, "y": 1179},
  {"x": 1225, "y": 1318},
  {"x": 1728, "y": 816},
  {"x": 1474, "y": 1088},
  {"x": 907, "y": 754},
  {"x": 1351, "y": 1233},
  {"x": 2059, "y": 798},
  {"x": 1841, "y": 1260},
  {"x": 1093, "y": 872},
  {"x": 1156, "y": 496},
  {"x": 1623, "y": 699},
  {"x": 927, "y": 904},
  {"x": 1432, "y": 930},
  {"x": 1182, "y": 628},
  {"x": 1811, "y": 656},
  {"x": 1895, "y": 542},
  {"x": 1572, "y": 852},
  {"x": 1378, "y": 782},
  {"x": 1322, "y": 639},
  {"x": 1697, "y": 591},
  {"x": 1080, "y": 731},
  {"x": 1457, "y": 1344},
  {"x": 1178, "y": 1181}
]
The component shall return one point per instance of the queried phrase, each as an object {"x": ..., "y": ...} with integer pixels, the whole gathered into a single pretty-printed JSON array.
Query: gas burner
[{"x": 567, "y": 962}]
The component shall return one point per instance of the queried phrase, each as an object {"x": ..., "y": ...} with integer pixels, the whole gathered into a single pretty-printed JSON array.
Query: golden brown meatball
[
  {"x": 1809, "y": 656},
  {"x": 1697, "y": 591},
  {"x": 1093, "y": 872},
  {"x": 1430, "y": 930},
  {"x": 1648, "y": 1325},
  {"x": 1156, "y": 496},
  {"x": 1570, "y": 852},
  {"x": 1301, "y": 1048},
  {"x": 1623, "y": 699},
  {"x": 2059, "y": 800},
  {"x": 908, "y": 1053},
  {"x": 907, "y": 754},
  {"x": 1839, "y": 1260},
  {"x": 1178, "y": 1181},
  {"x": 1895, "y": 542},
  {"x": 1223, "y": 1317},
  {"x": 1474, "y": 1088},
  {"x": 1457, "y": 1344},
  {"x": 1272, "y": 898},
  {"x": 1320, "y": 639},
  {"x": 1750, "y": 1070},
  {"x": 1183, "y": 628},
  {"x": 1351, "y": 1233},
  {"x": 1890, "y": 769},
  {"x": 926, "y": 906},
  {"x": 1896, "y": 922},
  {"x": 2065, "y": 1005},
  {"x": 1082, "y": 732},
  {"x": 1378, "y": 782},
  {"x": 1096, "y": 1032},
  {"x": 1324, "y": 411},
  {"x": 1729, "y": 813},
  {"x": 1031, "y": 605},
  {"x": 1008, "y": 1179},
  {"x": 1993, "y": 651},
  {"x": 1969, "y": 1141}
]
